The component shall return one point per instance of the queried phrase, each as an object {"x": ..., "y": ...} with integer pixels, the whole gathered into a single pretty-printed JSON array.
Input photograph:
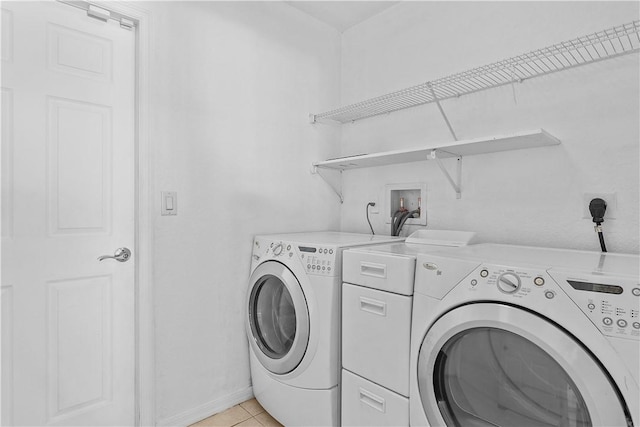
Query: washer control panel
[{"x": 319, "y": 260}]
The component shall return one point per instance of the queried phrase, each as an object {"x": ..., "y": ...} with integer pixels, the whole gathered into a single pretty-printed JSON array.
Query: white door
[{"x": 68, "y": 349}]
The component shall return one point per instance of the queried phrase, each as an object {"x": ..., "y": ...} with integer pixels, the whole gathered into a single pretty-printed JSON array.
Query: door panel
[
  {"x": 68, "y": 150},
  {"x": 79, "y": 192}
]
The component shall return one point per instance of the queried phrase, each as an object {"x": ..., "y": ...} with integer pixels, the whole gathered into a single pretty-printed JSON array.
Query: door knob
[{"x": 121, "y": 254}]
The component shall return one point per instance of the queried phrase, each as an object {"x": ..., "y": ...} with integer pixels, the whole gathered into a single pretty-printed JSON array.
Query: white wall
[
  {"x": 232, "y": 85},
  {"x": 531, "y": 197}
]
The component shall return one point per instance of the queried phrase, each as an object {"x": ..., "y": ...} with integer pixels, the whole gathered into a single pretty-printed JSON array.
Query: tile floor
[{"x": 246, "y": 414}]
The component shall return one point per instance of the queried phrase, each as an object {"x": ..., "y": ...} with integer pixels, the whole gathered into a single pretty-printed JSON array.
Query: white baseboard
[{"x": 205, "y": 410}]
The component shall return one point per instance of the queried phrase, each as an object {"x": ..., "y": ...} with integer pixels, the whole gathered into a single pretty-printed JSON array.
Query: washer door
[
  {"x": 278, "y": 318},
  {"x": 496, "y": 365}
]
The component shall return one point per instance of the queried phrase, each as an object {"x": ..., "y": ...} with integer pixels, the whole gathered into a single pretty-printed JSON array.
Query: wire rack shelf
[{"x": 602, "y": 45}]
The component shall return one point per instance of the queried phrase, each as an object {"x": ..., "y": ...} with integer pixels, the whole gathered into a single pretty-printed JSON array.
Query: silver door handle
[{"x": 121, "y": 254}]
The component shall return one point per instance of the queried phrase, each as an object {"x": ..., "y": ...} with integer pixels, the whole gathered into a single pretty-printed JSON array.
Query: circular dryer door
[
  {"x": 496, "y": 365},
  {"x": 278, "y": 318}
]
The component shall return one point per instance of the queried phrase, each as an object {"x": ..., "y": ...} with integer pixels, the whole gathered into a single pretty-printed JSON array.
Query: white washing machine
[
  {"x": 293, "y": 323},
  {"x": 512, "y": 336}
]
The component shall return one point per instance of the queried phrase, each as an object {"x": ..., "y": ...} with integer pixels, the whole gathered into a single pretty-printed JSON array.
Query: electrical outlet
[
  {"x": 374, "y": 209},
  {"x": 610, "y": 198}
]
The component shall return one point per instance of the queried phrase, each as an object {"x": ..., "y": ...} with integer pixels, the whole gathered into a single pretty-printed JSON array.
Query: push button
[
  {"x": 607, "y": 321},
  {"x": 622, "y": 323},
  {"x": 484, "y": 273}
]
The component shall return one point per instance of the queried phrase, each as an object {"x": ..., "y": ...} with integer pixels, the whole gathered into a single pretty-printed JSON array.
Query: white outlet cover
[
  {"x": 612, "y": 205},
  {"x": 374, "y": 209}
]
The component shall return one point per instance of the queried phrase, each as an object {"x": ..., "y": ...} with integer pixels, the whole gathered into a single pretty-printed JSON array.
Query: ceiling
[{"x": 342, "y": 14}]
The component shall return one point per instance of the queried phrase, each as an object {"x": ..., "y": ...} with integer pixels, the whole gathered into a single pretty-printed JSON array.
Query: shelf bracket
[
  {"x": 444, "y": 115},
  {"x": 455, "y": 184},
  {"x": 336, "y": 188}
]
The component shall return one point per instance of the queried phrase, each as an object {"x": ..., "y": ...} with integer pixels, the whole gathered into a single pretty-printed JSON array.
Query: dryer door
[
  {"x": 490, "y": 364},
  {"x": 278, "y": 317}
]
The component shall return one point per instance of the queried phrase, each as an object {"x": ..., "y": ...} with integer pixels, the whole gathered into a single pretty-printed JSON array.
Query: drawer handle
[
  {"x": 368, "y": 398},
  {"x": 373, "y": 269},
  {"x": 373, "y": 306}
]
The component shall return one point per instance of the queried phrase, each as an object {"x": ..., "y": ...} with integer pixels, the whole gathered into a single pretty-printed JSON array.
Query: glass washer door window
[
  {"x": 278, "y": 318},
  {"x": 478, "y": 366},
  {"x": 274, "y": 316}
]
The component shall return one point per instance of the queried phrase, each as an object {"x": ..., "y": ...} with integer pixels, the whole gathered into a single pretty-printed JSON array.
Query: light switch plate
[{"x": 169, "y": 203}]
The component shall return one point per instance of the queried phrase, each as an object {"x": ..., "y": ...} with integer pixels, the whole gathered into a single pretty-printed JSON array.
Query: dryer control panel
[
  {"x": 611, "y": 303},
  {"x": 515, "y": 282}
]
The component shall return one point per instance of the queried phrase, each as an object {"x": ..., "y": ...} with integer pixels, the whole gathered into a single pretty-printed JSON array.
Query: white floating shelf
[{"x": 522, "y": 140}]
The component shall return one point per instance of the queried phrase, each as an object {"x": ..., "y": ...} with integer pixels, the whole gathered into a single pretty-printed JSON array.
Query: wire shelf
[{"x": 605, "y": 44}]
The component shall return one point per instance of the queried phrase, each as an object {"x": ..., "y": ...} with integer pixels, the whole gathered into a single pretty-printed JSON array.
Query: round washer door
[
  {"x": 278, "y": 317},
  {"x": 490, "y": 364}
]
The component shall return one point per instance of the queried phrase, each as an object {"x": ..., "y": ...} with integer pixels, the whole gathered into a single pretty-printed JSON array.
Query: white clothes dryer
[
  {"x": 511, "y": 336},
  {"x": 293, "y": 323}
]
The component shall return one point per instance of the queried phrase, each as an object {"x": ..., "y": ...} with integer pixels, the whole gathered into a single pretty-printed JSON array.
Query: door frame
[{"x": 144, "y": 393}]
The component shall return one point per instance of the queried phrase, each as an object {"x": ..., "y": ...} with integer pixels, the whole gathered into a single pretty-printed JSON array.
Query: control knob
[
  {"x": 277, "y": 249},
  {"x": 509, "y": 283}
]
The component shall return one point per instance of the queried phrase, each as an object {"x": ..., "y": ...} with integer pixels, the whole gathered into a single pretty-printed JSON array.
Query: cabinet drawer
[
  {"x": 367, "y": 404},
  {"x": 385, "y": 272},
  {"x": 376, "y": 333}
]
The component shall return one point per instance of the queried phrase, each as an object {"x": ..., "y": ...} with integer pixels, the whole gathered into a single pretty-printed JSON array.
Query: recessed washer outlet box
[{"x": 413, "y": 194}]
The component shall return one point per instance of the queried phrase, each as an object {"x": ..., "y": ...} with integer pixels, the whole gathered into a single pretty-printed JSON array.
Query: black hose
[
  {"x": 394, "y": 222},
  {"x": 405, "y": 218}
]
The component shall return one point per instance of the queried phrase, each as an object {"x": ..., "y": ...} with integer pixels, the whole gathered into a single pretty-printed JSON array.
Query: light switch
[{"x": 169, "y": 205}]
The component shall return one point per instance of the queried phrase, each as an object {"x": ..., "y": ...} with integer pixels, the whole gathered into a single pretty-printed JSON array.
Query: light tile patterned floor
[{"x": 246, "y": 414}]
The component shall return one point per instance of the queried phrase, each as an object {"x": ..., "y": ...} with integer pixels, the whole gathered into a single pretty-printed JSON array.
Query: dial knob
[
  {"x": 277, "y": 249},
  {"x": 509, "y": 283}
]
